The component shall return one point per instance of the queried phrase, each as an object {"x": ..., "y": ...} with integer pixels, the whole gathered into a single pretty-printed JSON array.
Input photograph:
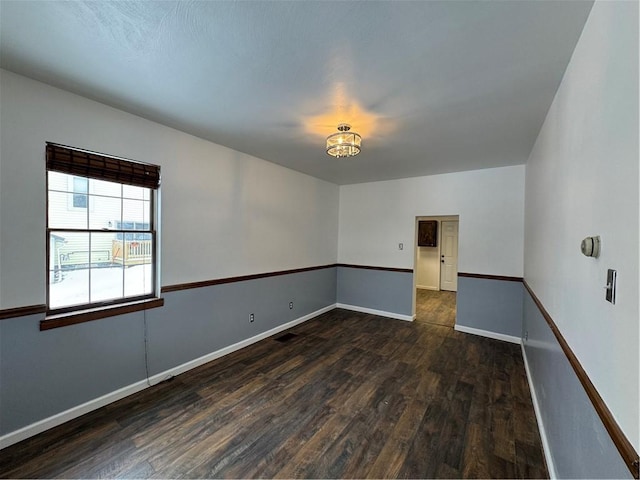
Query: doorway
[{"x": 436, "y": 270}]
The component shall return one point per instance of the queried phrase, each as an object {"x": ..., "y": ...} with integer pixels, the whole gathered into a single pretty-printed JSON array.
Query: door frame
[{"x": 439, "y": 218}]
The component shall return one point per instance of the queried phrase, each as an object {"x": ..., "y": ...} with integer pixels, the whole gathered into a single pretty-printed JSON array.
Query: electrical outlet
[
  {"x": 252, "y": 317},
  {"x": 401, "y": 246},
  {"x": 290, "y": 305},
  {"x": 526, "y": 334}
]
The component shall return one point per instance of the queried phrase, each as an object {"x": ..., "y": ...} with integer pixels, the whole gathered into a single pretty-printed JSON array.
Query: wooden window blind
[{"x": 94, "y": 165}]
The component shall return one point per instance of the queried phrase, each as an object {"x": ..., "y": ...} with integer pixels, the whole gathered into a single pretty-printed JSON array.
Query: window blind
[{"x": 94, "y": 165}]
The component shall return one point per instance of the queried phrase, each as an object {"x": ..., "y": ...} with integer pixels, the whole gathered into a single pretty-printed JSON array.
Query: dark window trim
[{"x": 90, "y": 314}]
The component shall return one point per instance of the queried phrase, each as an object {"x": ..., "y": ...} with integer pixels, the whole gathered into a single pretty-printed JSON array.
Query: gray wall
[
  {"x": 491, "y": 305},
  {"x": 578, "y": 442},
  {"x": 218, "y": 316},
  {"x": 45, "y": 373},
  {"x": 376, "y": 289}
]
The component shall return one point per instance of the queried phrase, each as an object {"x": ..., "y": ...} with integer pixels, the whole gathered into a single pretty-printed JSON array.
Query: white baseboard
[
  {"x": 62, "y": 417},
  {"x": 488, "y": 334},
  {"x": 424, "y": 287},
  {"x": 536, "y": 408},
  {"x": 172, "y": 372},
  {"x": 408, "y": 318}
]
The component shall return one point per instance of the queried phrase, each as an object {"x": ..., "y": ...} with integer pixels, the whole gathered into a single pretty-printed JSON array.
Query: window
[
  {"x": 105, "y": 254},
  {"x": 80, "y": 191}
]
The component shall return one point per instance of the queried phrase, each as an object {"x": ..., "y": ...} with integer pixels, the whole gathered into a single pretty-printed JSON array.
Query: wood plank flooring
[
  {"x": 350, "y": 396},
  {"x": 436, "y": 307}
]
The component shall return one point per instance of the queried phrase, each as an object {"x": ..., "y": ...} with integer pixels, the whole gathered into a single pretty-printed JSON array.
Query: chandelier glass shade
[{"x": 344, "y": 143}]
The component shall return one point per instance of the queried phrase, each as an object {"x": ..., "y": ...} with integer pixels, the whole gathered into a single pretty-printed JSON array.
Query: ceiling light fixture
[{"x": 344, "y": 143}]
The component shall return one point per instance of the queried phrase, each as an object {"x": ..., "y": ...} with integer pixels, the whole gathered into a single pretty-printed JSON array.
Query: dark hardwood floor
[
  {"x": 350, "y": 396},
  {"x": 436, "y": 307}
]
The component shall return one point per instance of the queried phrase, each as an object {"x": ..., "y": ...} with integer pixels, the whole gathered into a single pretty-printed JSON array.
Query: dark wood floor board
[
  {"x": 351, "y": 395},
  {"x": 453, "y": 434},
  {"x": 226, "y": 365},
  {"x": 376, "y": 438},
  {"x": 436, "y": 307},
  {"x": 425, "y": 452},
  {"x": 52, "y": 460},
  {"x": 394, "y": 452},
  {"x": 446, "y": 471},
  {"x": 475, "y": 463},
  {"x": 524, "y": 423},
  {"x": 197, "y": 445},
  {"x": 268, "y": 439},
  {"x": 502, "y": 436},
  {"x": 479, "y": 410},
  {"x": 167, "y": 431},
  {"x": 213, "y": 426},
  {"x": 529, "y": 461},
  {"x": 312, "y": 452},
  {"x": 503, "y": 468},
  {"x": 261, "y": 429},
  {"x": 269, "y": 466},
  {"x": 106, "y": 462},
  {"x": 360, "y": 443},
  {"x": 140, "y": 415},
  {"x": 348, "y": 446},
  {"x": 519, "y": 385}
]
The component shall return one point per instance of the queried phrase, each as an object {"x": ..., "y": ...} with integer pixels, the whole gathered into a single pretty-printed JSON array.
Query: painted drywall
[
  {"x": 578, "y": 445},
  {"x": 46, "y": 373},
  {"x": 218, "y": 316},
  {"x": 375, "y": 217},
  {"x": 490, "y": 305},
  {"x": 428, "y": 267},
  {"x": 388, "y": 293},
  {"x": 223, "y": 213},
  {"x": 581, "y": 180}
]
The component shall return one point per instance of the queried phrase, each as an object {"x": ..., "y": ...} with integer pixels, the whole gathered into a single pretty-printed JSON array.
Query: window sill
[{"x": 88, "y": 315}]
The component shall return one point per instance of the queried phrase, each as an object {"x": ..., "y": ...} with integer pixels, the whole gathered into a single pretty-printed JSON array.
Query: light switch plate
[{"x": 612, "y": 280}]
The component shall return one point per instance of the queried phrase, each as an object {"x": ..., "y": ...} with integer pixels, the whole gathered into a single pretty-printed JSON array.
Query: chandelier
[{"x": 344, "y": 143}]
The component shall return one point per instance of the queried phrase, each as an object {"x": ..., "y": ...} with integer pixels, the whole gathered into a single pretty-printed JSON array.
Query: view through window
[{"x": 101, "y": 241}]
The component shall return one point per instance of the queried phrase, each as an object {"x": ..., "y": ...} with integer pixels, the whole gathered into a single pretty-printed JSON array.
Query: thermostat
[{"x": 590, "y": 246}]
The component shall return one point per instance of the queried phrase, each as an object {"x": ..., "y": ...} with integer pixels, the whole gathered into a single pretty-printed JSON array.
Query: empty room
[{"x": 318, "y": 239}]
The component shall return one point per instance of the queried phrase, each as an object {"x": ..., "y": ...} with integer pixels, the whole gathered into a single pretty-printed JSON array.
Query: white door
[{"x": 449, "y": 256}]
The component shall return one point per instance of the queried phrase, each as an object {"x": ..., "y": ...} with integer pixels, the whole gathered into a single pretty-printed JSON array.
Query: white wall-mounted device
[{"x": 590, "y": 246}]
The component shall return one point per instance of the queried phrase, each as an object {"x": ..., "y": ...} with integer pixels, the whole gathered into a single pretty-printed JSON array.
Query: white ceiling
[{"x": 432, "y": 86}]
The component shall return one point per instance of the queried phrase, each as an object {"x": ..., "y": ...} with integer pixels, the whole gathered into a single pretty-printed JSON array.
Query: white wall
[
  {"x": 375, "y": 217},
  {"x": 428, "y": 267},
  {"x": 582, "y": 179},
  {"x": 223, "y": 213}
]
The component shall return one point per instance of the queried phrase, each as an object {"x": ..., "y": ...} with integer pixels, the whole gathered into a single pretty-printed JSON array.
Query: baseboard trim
[
  {"x": 546, "y": 449},
  {"x": 488, "y": 334},
  {"x": 398, "y": 316},
  {"x": 172, "y": 372},
  {"x": 77, "y": 411},
  {"x": 424, "y": 287},
  {"x": 62, "y": 417}
]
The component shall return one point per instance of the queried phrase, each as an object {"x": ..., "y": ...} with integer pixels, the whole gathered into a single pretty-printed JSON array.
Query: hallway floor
[{"x": 436, "y": 307}]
